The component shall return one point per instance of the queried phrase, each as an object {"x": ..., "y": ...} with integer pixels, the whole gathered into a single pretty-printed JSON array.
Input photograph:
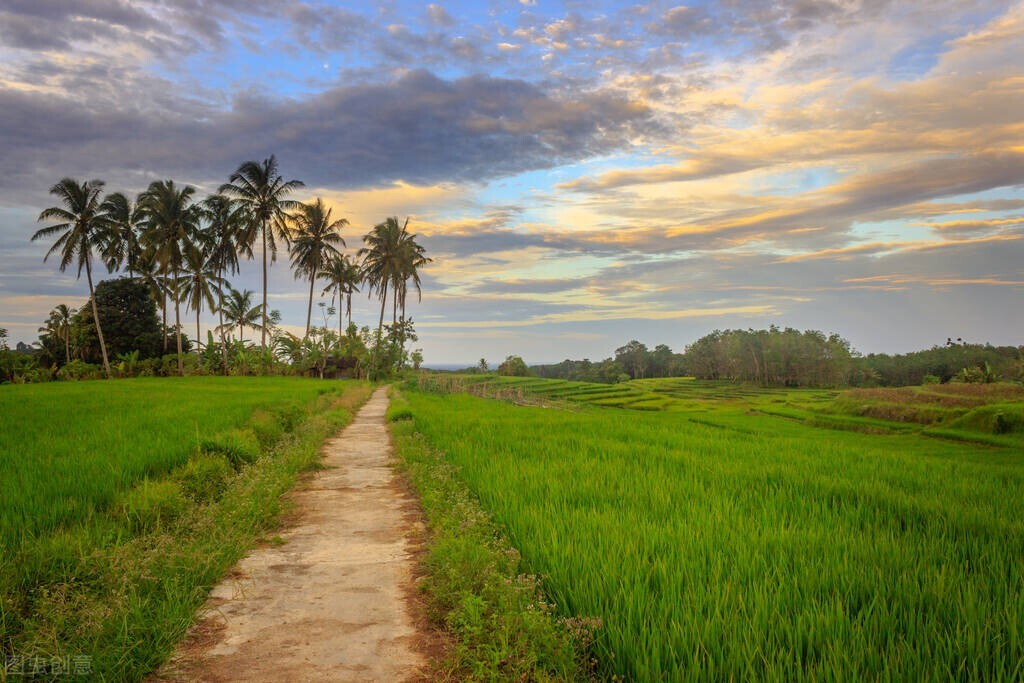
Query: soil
[{"x": 335, "y": 600}]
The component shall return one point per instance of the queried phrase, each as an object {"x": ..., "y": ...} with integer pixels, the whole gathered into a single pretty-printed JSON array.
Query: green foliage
[
  {"x": 745, "y": 546},
  {"x": 129, "y": 319},
  {"x": 203, "y": 478},
  {"x": 239, "y": 446},
  {"x": 513, "y": 366},
  {"x": 153, "y": 503},
  {"x": 79, "y": 370}
]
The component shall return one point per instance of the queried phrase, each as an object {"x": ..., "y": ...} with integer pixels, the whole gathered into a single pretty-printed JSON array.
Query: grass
[
  {"x": 726, "y": 543},
  {"x": 143, "y": 493},
  {"x": 475, "y": 585}
]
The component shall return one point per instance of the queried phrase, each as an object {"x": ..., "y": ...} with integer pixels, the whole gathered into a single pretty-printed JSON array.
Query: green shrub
[
  {"x": 79, "y": 369},
  {"x": 239, "y": 446},
  {"x": 931, "y": 379},
  {"x": 203, "y": 478},
  {"x": 152, "y": 504}
]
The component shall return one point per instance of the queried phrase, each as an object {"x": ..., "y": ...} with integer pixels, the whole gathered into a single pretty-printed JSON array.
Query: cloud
[{"x": 418, "y": 128}]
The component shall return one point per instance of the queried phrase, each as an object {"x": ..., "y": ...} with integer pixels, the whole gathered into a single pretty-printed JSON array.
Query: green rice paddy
[
  {"x": 122, "y": 502},
  {"x": 737, "y": 533}
]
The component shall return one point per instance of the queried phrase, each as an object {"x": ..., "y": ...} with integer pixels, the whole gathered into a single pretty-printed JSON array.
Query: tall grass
[{"x": 754, "y": 548}]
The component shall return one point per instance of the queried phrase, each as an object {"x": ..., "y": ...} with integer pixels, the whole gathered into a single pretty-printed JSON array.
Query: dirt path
[{"x": 330, "y": 603}]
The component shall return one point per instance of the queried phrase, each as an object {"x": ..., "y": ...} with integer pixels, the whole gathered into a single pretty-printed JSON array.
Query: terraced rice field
[{"x": 716, "y": 541}]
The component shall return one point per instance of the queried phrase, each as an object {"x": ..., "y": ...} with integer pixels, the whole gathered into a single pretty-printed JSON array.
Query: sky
[{"x": 582, "y": 174}]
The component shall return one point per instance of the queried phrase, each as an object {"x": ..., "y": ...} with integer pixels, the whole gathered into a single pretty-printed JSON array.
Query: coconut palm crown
[{"x": 83, "y": 226}]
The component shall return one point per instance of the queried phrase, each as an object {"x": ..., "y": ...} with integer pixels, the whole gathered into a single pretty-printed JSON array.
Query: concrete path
[{"x": 331, "y": 603}]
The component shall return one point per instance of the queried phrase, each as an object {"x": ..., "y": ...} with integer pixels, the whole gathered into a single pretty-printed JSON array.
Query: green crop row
[{"x": 733, "y": 546}]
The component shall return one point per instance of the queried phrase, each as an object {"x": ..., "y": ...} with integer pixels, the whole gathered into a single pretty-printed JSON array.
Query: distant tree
[
  {"x": 262, "y": 191},
  {"x": 513, "y": 366},
  {"x": 200, "y": 282},
  {"x": 121, "y": 247},
  {"x": 131, "y": 322},
  {"x": 224, "y": 238},
  {"x": 170, "y": 222},
  {"x": 343, "y": 276},
  {"x": 58, "y": 326},
  {"x": 239, "y": 311},
  {"x": 83, "y": 227},
  {"x": 482, "y": 366},
  {"x": 633, "y": 357},
  {"x": 314, "y": 241}
]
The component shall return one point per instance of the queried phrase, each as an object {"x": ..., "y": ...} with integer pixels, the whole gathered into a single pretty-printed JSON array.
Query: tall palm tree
[
  {"x": 262, "y": 190},
  {"x": 122, "y": 248},
  {"x": 412, "y": 256},
  {"x": 226, "y": 232},
  {"x": 200, "y": 282},
  {"x": 343, "y": 277},
  {"x": 313, "y": 240},
  {"x": 59, "y": 325},
  {"x": 381, "y": 261},
  {"x": 170, "y": 222},
  {"x": 239, "y": 311},
  {"x": 82, "y": 227}
]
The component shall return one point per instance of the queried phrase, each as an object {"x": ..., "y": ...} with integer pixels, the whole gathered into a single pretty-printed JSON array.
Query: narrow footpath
[{"x": 331, "y": 602}]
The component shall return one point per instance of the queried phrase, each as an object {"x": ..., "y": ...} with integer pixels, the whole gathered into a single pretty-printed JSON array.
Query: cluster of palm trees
[{"x": 185, "y": 249}]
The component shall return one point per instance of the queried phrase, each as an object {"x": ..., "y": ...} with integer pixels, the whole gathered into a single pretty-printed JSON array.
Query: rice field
[
  {"x": 67, "y": 450},
  {"x": 717, "y": 541},
  {"x": 121, "y": 502}
]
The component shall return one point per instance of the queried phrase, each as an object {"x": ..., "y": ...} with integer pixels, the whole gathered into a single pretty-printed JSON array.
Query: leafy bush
[{"x": 79, "y": 369}]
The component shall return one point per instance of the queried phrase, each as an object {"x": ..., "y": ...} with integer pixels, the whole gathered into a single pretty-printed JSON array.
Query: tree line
[
  {"x": 182, "y": 250},
  {"x": 777, "y": 357}
]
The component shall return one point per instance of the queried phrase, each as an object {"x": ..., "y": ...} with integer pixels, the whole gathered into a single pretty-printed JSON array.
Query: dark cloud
[{"x": 419, "y": 129}]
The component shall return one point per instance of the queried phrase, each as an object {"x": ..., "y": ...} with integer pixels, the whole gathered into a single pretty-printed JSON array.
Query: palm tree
[
  {"x": 411, "y": 258},
  {"x": 343, "y": 277},
  {"x": 122, "y": 247},
  {"x": 201, "y": 280},
  {"x": 239, "y": 312},
  {"x": 381, "y": 261},
  {"x": 262, "y": 190},
  {"x": 59, "y": 325},
  {"x": 226, "y": 234},
  {"x": 391, "y": 259},
  {"x": 312, "y": 246},
  {"x": 82, "y": 228},
  {"x": 170, "y": 222}
]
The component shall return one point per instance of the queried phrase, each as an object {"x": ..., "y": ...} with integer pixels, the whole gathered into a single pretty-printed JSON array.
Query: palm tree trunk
[
  {"x": 348, "y": 307},
  {"x": 199, "y": 307},
  {"x": 263, "y": 342},
  {"x": 177, "y": 322},
  {"x": 96, "y": 317},
  {"x": 67, "y": 344},
  {"x": 309, "y": 310},
  {"x": 341, "y": 313},
  {"x": 383, "y": 302},
  {"x": 220, "y": 318},
  {"x": 164, "y": 311}
]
